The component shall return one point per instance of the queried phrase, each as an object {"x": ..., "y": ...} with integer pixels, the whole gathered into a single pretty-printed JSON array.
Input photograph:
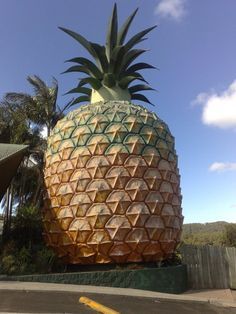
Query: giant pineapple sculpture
[{"x": 111, "y": 175}]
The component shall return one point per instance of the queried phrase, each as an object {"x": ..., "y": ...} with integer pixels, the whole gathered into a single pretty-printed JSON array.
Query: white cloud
[
  {"x": 174, "y": 9},
  {"x": 223, "y": 166},
  {"x": 44, "y": 132},
  {"x": 219, "y": 109},
  {"x": 200, "y": 99}
]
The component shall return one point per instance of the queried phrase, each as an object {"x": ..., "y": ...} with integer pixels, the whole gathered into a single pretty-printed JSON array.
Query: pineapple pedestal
[{"x": 172, "y": 279}]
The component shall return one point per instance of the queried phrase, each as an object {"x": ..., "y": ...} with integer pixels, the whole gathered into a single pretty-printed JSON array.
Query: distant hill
[
  {"x": 206, "y": 227},
  {"x": 207, "y": 233}
]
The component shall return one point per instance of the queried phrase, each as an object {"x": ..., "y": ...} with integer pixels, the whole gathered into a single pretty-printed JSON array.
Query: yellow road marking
[{"x": 97, "y": 306}]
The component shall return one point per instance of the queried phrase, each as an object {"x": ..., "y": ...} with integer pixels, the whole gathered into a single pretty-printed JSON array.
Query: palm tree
[
  {"x": 41, "y": 108},
  {"x": 26, "y": 186},
  {"x": 14, "y": 124},
  {"x": 22, "y": 116}
]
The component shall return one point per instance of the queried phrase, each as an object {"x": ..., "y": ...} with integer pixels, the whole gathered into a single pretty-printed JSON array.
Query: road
[{"x": 67, "y": 302}]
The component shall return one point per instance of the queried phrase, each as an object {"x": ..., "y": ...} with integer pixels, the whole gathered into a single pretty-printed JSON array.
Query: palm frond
[{"x": 39, "y": 86}]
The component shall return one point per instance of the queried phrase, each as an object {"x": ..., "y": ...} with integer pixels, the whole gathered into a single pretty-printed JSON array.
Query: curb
[{"x": 36, "y": 286}]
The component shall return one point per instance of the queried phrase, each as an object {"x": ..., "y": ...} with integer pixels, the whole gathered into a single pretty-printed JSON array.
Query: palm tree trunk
[
  {"x": 6, "y": 215},
  {"x": 38, "y": 188},
  {"x": 22, "y": 189},
  {"x": 10, "y": 206},
  {"x": 48, "y": 130}
]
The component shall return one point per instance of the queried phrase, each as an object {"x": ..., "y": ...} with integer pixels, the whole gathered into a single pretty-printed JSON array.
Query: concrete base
[{"x": 171, "y": 279}]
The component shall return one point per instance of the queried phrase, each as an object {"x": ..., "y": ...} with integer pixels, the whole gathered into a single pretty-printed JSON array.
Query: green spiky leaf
[
  {"x": 125, "y": 27},
  {"x": 83, "y": 41},
  {"x": 82, "y": 83},
  {"x": 129, "y": 57},
  {"x": 81, "y": 90},
  {"x": 116, "y": 60},
  {"x": 101, "y": 53},
  {"x": 139, "y": 66},
  {"x": 126, "y": 80},
  {"x": 136, "y": 38},
  {"x": 90, "y": 65},
  {"x": 95, "y": 83},
  {"x": 109, "y": 80},
  {"x": 113, "y": 64},
  {"x": 77, "y": 68},
  {"x": 138, "y": 88},
  {"x": 112, "y": 33},
  {"x": 141, "y": 97},
  {"x": 116, "y": 57},
  {"x": 79, "y": 100}
]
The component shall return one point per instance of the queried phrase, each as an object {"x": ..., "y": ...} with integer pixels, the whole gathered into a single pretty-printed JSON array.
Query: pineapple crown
[{"x": 113, "y": 71}]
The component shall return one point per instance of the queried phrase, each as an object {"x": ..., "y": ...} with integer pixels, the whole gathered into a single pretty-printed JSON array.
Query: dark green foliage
[
  {"x": 15, "y": 127},
  {"x": 22, "y": 117},
  {"x": 24, "y": 251},
  {"x": 41, "y": 108},
  {"x": 112, "y": 65},
  {"x": 44, "y": 260},
  {"x": 27, "y": 226},
  {"x": 202, "y": 238},
  {"x": 174, "y": 260},
  {"x": 204, "y": 227},
  {"x": 214, "y": 233},
  {"x": 17, "y": 262},
  {"x": 230, "y": 235}
]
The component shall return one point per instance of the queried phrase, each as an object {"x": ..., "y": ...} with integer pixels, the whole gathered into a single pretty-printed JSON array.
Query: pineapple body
[{"x": 112, "y": 183}]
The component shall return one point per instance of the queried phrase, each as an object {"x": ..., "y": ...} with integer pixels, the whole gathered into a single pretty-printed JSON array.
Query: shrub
[
  {"x": 230, "y": 235},
  {"x": 27, "y": 227},
  {"x": 44, "y": 260}
]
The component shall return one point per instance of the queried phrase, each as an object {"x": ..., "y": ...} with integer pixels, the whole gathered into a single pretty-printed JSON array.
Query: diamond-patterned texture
[{"x": 112, "y": 186}]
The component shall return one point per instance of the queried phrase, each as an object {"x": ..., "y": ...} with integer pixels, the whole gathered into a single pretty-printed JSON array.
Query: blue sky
[{"x": 194, "y": 47}]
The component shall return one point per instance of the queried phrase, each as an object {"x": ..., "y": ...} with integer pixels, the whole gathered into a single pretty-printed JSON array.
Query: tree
[
  {"x": 230, "y": 235},
  {"x": 22, "y": 118},
  {"x": 14, "y": 124},
  {"x": 16, "y": 128},
  {"x": 40, "y": 108}
]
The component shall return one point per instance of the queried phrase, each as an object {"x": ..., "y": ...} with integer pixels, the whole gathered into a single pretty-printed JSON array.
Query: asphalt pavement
[
  {"x": 68, "y": 302},
  {"x": 22, "y": 297}
]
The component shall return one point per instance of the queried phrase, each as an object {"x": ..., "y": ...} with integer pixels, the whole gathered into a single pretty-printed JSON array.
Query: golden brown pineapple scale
[{"x": 112, "y": 183}]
